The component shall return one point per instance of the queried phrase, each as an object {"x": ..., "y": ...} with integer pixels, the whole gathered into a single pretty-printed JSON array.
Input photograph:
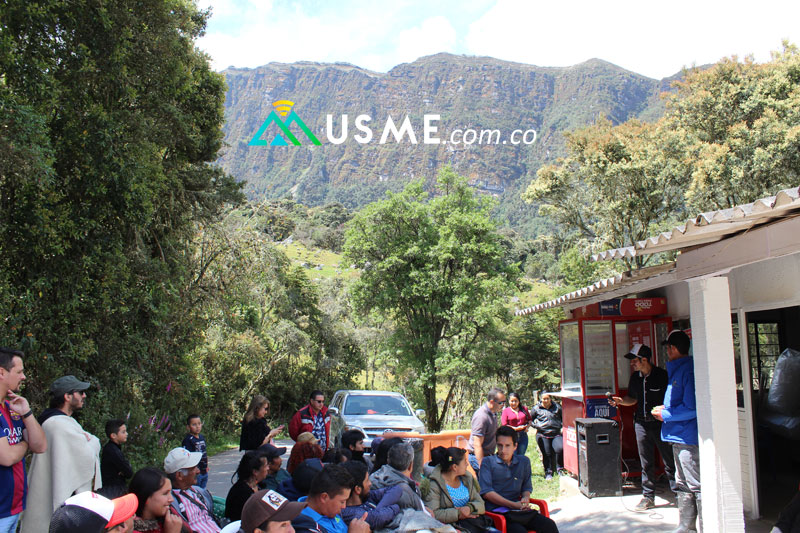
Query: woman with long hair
[
  {"x": 517, "y": 416},
  {"x": 547, "y": 421},
  {"x": 454, "y": 495},
  {"x": 155, "y": 513},
  {"x": 301, "y": 452},
  {"x": 255, "y": 430},
  {"x": 253, "y": 469}
]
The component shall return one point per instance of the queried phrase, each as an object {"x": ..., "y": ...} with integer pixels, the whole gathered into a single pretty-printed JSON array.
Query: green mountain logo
[{"x": 283, "y": 109}]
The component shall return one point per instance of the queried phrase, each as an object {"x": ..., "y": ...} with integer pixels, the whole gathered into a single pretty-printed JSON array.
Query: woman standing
[
  {"x": 547, "y": 421},
  {"x": 454, "y": 495},
  {"x": 255, "y": 430},
  {"x": 517, "y": 416},
  {"x": 252, "y": 470}
]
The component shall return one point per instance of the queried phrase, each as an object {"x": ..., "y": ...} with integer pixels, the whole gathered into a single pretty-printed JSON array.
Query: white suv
[{"x": 374, "y": 413}]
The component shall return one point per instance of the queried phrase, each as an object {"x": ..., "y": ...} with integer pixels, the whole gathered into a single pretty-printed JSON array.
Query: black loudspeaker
[{"x": 598, "y": 457}]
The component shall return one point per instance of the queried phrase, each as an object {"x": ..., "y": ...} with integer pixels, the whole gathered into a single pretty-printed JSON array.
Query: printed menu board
[{"x": 598, "y": 357}]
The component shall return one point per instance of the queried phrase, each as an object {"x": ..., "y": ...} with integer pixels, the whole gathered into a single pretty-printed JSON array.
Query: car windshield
[{"x": 375, "y": 405}]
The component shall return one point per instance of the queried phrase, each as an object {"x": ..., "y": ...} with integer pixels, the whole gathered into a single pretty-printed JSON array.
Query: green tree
[
  {"x": 738, "y": 127},
  {"x": 114, "y": 118},
  {"x": 436, "y": 269},
  {"x": 617, "y": 186}
]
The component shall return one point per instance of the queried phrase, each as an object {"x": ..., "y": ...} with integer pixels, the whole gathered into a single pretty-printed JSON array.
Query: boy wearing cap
[
  {"x": 646, "y": 389},
  {"x": 266, "y": 511},
  {"x": 19, "y": 433},
  {"x": 194, "y": 504},
  {"x": 52, "y": 479},
  {"x": 679, "y": 414},
  {"x": 88, "y": 512}
]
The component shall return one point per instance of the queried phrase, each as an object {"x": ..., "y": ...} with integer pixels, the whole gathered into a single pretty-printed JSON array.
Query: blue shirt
[
  {"x": 460, "y": 495},
  {"x": 330, "y": 525},
  {"x": 509, "y": 481}
]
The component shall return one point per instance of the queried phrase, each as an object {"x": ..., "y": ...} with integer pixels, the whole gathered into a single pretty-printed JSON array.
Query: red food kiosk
[{"x": 593, "y": 345}]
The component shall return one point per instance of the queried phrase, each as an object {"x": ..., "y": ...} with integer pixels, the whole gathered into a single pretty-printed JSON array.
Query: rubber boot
[{"x": 687, "y": 511}]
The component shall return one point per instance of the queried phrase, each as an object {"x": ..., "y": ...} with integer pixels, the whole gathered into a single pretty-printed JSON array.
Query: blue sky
[{"x": 654, "y": 39}]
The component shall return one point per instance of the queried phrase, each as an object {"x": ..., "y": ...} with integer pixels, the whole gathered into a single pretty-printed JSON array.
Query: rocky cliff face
[{"x": 467, "y": 92}]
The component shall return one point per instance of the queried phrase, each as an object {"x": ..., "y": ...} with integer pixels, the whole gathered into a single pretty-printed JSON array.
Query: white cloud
[
  {"x": 434, "y": 35},
  {"x": 655, "y": 39}
]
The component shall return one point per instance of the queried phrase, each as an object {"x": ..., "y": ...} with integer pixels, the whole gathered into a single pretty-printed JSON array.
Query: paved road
[{"x": 223, "y": 465}]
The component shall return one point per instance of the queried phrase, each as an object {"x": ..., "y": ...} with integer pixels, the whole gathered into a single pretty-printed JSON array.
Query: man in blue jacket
[{"x": 679, "y": 414}]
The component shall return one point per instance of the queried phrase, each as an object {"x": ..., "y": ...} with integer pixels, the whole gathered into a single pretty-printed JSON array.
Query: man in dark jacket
[
  {"x": 646, "y": 389},
  {"x": 326, "y": 499},
  {"x": 380, "y": 504},
  {"x": 313, "y": 418}
]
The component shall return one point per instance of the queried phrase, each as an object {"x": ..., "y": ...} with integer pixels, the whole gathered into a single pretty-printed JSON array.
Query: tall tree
[
  {"x": 436, "y": 269},
  {"x": 738, "y": 128},
  {"x": 96, "y": 234},
  {"x": 617, "y": 185}
]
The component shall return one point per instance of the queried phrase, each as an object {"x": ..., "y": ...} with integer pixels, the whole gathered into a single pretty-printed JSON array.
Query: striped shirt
[
  {"x": 194, "y": 509},
  {"x": 13, "y": 481}
]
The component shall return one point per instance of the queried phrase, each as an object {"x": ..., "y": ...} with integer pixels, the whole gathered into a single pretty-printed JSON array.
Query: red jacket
[{"x": 302, "y": 421}]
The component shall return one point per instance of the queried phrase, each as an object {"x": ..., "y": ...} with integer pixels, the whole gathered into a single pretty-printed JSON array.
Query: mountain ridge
[{"x": 466, "y": 91}]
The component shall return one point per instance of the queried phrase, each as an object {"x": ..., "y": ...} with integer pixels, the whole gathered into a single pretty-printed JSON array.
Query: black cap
[
  {"x": 639, "y": 350},
  {"x": 66, "y": 384},
  {"x": 271, "y": 452},
  {"x": 678, "y": 339}
]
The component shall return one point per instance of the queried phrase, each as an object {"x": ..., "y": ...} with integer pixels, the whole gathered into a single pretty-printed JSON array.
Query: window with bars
[{"x": 764, "y": 349}]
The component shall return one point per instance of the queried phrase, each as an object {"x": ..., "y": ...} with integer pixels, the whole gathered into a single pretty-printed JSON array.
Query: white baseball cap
[{"x": 179, "y": 458}]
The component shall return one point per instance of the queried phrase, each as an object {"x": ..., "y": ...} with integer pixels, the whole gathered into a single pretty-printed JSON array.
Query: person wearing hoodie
[
  {"x": 379, "y": 504},
  {"x": 397, "y": 471},
  {"x": 454, "y": 495}
]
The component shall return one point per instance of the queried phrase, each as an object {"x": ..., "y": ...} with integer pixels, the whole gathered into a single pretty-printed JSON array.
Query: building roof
[
  {"x": 627, "y": 280},
  {"x": 704, "y": 229},
  {"x": 711, "y": 226}
]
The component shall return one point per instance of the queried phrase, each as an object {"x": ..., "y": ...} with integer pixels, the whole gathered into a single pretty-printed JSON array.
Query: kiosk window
[
  {"x": 570, "y": 357},
  {"x": 598, "y": 356},
  {"x": 623, "y": 365}
]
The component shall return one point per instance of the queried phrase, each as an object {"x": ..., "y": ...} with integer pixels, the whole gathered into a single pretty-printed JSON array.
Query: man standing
[
  {"x": 646, "y": 389},
  {"x": 483, "y": 428},
  {"x": 327, "y": 498},
  {"x": 313, "y": 418},
  {"x": 19, "y": 433},
  {"x": 53, "y": 479},
  {"x": 505, "y": 481},
  {"x": 679, "y": 414}
]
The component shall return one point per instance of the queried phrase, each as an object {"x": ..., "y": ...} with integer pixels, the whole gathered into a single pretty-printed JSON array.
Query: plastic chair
[{"x": 500, "y": 520}]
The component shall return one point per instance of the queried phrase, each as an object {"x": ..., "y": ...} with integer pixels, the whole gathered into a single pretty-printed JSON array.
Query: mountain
[{"x": 467, "y": 92}]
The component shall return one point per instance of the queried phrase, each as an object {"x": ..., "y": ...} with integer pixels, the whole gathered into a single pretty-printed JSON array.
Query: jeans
[
  {"x": 687, "y": 468},
  {"x": 9, "y": 523},
  {"x": 552, "y": 449},
  {"x": 522, "y": 443},
  {"x": 202, "y": 480},
  {"x": 523, "y": 521},
  {"x": 648, "y": 437}
]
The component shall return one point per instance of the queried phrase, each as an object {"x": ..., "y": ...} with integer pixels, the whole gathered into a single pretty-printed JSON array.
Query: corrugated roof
[
  {"x": 626, "y": 280},
  {"x": 711, "y": 226}
]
